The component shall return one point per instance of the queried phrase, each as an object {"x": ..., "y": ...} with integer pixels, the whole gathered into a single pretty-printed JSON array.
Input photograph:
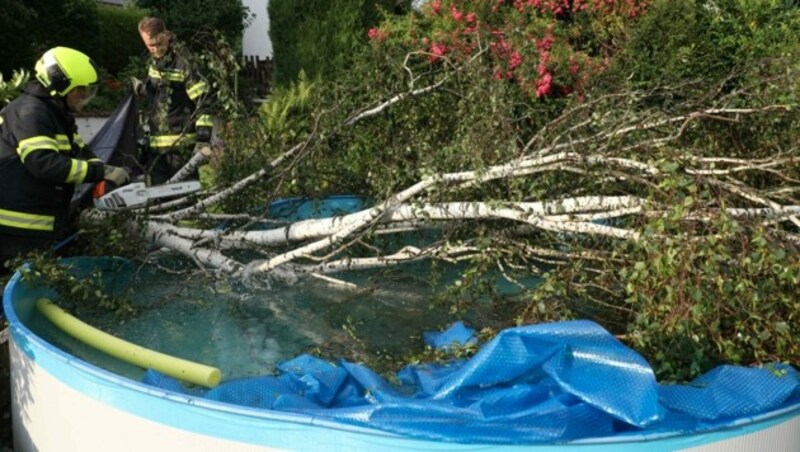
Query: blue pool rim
[{"x": 258, "y": 426}]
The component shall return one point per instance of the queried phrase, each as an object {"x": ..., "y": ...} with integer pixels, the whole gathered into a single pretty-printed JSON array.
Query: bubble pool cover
[{"x": 545, "y": 383}]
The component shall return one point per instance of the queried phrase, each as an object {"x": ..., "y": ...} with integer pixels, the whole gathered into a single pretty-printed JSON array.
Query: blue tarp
[{"x": 545, "y": 383}]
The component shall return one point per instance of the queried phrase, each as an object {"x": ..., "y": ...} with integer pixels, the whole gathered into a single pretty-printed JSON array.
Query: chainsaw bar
[{"x": 136, "y": 195}]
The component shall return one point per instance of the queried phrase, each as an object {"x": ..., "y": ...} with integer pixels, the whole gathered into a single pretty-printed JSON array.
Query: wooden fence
[{"x": 257, "y": 71}]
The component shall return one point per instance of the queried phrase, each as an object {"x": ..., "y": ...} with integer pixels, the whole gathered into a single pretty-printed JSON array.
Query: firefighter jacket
[
  {"x": 177, "y": 98},
  {"x": 42, "y": 158}
]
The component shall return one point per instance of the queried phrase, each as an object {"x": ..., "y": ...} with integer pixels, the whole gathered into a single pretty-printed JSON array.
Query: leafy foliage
[
  {"x": 726, "y": 299},
  {"x": 280, "y": 121},
  {"x": 119, "y": 37},
  {"x": 706, "y": 40},
  {"x": 185, "y": 18},
  {"x": 285, "y": 106},
  {"x": 30, "y": 28},
  {"x": 110, "y": 236},
  {"x": 81, "y": 295},
  {"x": 17, "y": 50},
  {"x": 689, "y": 294},
  {"x": 219, "y": 63},
  {"x": 11, "y": 89},
  {"x": 319, "y": 37},
  {"x": 546, "y": 48}
]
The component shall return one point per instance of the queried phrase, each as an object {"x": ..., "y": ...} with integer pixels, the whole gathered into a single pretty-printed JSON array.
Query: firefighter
[
  {"x": 176, "y": 103},
  {"x": 42, "y": 156}
]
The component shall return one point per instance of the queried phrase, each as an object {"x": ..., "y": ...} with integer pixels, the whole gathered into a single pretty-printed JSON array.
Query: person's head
[
  {"x": 155, "y": 36},
  {"x": 69, "y": 74}
]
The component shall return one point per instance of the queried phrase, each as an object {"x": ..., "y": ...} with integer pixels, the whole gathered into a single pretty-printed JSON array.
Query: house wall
[{"x": 256, "y": 36}]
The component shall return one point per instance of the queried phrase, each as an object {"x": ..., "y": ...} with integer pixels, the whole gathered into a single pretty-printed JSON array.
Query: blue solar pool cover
[{"x": 545, "y": 383}]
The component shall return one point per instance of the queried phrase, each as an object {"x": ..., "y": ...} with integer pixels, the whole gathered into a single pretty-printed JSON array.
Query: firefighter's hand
[
  {"x": 117, "y": 175},
  {"x": 137, "y": 86}
]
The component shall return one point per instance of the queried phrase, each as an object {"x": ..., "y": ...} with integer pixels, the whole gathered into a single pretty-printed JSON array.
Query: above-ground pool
[
  {"x": 567, "y": 386},
  {"x": 62, "y": 403}
]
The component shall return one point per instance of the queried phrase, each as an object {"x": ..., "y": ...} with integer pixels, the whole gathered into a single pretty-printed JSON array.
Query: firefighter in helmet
[
  {"x": 177, "y": 98},
  {"x": 42, "y": 156}
]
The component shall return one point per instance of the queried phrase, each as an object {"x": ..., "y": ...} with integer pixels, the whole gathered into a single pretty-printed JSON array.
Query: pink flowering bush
[{"x": 548, "y": 48}]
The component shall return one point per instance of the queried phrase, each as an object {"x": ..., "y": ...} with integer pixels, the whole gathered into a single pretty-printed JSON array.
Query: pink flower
[
  {"x": 471, "y": 17},
  {"x": 436, "y": 6},
  {"x": 544, "y": 85},
  {"x": 437, "y": 51},
  {"x": 376, "y": 34},
  {"x": 542, "y": 67},
  {"x": 515, "y": 60},
  {"x": 457, "y": 15},
  {"x": 544, "y": 43}
]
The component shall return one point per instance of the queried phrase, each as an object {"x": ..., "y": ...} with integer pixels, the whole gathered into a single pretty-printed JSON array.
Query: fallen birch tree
[
  {"x": 658, "y": 197},
  {"x": 575, "y": 215}
]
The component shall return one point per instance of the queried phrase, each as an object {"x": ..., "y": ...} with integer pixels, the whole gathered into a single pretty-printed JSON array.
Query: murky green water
[{"x": 245, "y": 330}]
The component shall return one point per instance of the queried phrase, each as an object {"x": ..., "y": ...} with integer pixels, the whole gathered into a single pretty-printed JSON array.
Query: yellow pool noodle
[{"x": 196, "y": 373}]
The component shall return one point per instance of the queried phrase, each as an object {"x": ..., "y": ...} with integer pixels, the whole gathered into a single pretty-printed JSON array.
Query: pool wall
[{"x": 61, "y": 403}]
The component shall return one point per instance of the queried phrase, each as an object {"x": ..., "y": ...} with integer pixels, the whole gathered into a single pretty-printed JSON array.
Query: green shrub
[
  {"x": 320, "y": 37},
  {"x": 17, "y": 51},
  {"x": 730, "y": 298},
  {"x": 11, "y": 89},
  {"x": 285, "y": 105},
  {"x": 28, "y": 29},
  {"x": 119, "y": 37},
  {"x": 705, "y": 40},
  {"x": 185, "y": 18}
]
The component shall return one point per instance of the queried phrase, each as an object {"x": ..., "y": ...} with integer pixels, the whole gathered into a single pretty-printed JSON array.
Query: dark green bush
[
  {"x": 119, "y": 37},
  {"x": 185, "y": 18},
  {"x": 730, "y": 298},
  {"x": 320, "y": 37},
  {"x": 705, "y": 40},
  {"x": 17, "y": 51},
  {"x": 106, "y": 33},
  {"x": 29, "y": 28}
]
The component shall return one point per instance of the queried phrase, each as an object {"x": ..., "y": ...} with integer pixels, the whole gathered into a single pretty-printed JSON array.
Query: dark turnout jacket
[
  {"x": 176, "y": 95},
  {"x": 42, "y": 158}
]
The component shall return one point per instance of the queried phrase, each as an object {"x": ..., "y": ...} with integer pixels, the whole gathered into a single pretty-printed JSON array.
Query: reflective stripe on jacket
[
  {"x": 42, "y": 158},
  {"x": 177, "y": 100}
]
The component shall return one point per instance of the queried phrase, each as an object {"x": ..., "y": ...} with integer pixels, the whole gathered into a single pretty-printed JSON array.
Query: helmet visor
[
  {"x": 91, "y": 91},
  {"x": 86, "y": 94}
]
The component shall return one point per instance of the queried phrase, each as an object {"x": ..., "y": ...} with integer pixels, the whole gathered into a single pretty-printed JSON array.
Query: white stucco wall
[
  {"x": 89, "y": 126},
  {"x": 256, "y": 36}
]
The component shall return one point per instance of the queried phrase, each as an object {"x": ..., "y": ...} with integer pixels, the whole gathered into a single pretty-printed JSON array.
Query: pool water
[{"x": 245, "y": 330}]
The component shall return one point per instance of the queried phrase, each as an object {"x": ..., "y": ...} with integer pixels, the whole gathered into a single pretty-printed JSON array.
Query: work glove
[
  {"x": 204, "y": 134},
  {"x": 117, "y": 175},
  {"x": 137, "y": 86}
]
